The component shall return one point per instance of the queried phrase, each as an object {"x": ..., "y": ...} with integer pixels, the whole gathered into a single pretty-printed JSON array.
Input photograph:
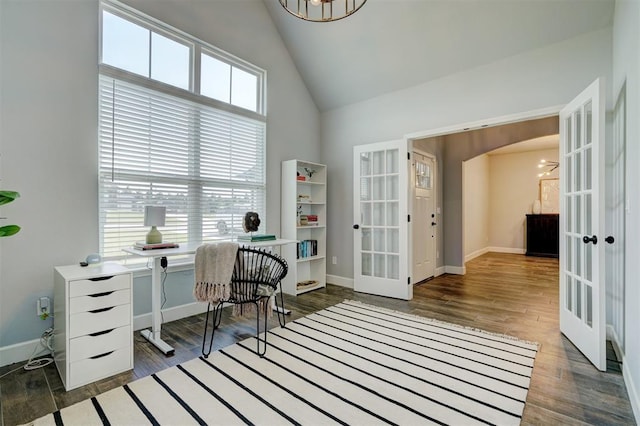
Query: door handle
[
  {"x": 586, "y": 239},
  {"x": 433, "y": 224},
  {"x": 356, "y": 226},
  {"x": 610, "y": 239}
]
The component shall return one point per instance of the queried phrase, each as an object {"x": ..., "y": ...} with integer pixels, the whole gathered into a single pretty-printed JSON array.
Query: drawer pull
[
  {"x": 108, "y": 277},
  {"x": 106, "y": 293},
  {"x": 97, "y": 311},
  {"x": 100, "y": 333},
  {"x": 100, "y": 356}
]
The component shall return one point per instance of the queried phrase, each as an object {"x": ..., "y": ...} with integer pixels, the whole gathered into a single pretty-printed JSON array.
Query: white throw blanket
[{"x": 213, "y": 271}]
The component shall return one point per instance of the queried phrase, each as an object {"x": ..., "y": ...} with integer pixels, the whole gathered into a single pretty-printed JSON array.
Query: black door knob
[
  {"x": 356, "y": 226},
  {"x": 586, "y": 239},
  {"x": 610, "y": 239},
  {"x": 433, "y": 224}
]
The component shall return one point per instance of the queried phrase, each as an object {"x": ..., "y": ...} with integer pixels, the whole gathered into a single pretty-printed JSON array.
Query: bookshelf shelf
[{"x": 306, "y": 197}]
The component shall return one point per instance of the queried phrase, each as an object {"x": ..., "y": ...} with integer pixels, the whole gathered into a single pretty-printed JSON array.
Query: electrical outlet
[
  {"x": 43, "y": 307},
  {"x": 334, "y": 260}
]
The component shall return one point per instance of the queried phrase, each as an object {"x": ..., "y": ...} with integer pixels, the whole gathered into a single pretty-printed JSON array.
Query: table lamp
[{"x": 154, "y": 216}]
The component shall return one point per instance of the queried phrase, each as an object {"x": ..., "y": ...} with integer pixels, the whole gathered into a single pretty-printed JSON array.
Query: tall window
[{"x": 181, "y": 125}]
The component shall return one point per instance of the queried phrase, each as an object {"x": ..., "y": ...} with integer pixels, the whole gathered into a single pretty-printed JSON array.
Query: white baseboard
[
  {"x": 476, "y": 254},
  {"x": 341, "y": 281},
  {"x": 457, "y": 270},
  {"x": 615, "y": 341},
  {"x": 20, "y": 352},
  {"x": 170, "y": 314},
  {"x": 439, "y": 271},
  {"x": 512, "y": 250},
  {"x": 632, "y": 389}
]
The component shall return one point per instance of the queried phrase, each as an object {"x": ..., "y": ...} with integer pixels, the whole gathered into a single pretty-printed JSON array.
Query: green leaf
[
  {"x": 8, "y": 196},
  {"x": 9, "y": 230}
]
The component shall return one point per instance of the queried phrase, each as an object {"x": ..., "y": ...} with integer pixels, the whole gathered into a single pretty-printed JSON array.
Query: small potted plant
[{"x": 5, "y": 198}]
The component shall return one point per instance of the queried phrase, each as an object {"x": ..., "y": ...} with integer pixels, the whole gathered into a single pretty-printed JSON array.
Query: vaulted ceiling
[{"x": 391, "y": 45}]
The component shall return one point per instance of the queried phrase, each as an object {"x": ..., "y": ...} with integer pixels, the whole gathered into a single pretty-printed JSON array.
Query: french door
[
  {"x": 380, "y": 210},
  {"x": 582, "y": 254}
]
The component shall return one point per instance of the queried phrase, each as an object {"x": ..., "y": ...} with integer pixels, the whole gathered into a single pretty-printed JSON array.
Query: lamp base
[{"x": 154, "y": 236}]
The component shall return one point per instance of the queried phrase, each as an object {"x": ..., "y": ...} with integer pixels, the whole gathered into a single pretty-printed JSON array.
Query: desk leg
[{"x": 153, "y": 335}]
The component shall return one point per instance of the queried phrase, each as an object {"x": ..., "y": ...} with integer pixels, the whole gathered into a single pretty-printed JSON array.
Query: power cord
[
  {"x": 164, "y": 263},
  {"x": 33, "y": 364}
]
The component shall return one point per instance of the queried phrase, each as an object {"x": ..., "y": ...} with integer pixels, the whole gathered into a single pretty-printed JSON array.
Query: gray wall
[
  {"x": 538, "y": 79},
  {"x": 48, "y": 136}
]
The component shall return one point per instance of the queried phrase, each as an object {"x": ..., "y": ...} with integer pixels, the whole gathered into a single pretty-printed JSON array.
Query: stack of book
[
  {"x": 256, "y": 237},
  {"x": 307, "y": 248},
  {"x": 312, "y": 219},
  {"x": 141, "y": 245}
]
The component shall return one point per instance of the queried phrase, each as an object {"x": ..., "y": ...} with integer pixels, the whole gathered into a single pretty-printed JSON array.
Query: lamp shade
[{"x": 154, "y": 215}]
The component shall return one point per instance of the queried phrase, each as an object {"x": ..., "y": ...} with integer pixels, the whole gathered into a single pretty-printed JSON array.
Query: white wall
[
  {"x": 626, "y": 68},
  {"x": 538, "y": 79},
  {"x": 476, "y": 205},
  {"x": 48, "y": 107},
  {"x": 514, "y": 187}
]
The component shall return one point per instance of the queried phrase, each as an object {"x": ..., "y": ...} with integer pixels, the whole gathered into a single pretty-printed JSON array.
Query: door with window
[
  {"x": 380, "y": 209},
  {"x": 582, "y": 243},
  {"x": 423, "y": 219}
]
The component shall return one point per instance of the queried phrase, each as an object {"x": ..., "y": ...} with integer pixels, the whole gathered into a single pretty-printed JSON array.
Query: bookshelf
[{"x": 304, "y": 197}]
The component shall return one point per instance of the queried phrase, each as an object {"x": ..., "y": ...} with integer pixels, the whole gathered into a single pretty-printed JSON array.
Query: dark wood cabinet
[{"x": 543, "y": 235}]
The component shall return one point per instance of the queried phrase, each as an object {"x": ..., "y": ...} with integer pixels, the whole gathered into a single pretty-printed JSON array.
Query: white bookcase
[{"x": 304, "y": 196}]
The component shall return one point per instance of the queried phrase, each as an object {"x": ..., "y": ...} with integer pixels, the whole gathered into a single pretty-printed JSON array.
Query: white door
[
  {"x": 582, "y": 289},
  {"x": 380, "y": 189},
  {"x": 423, "y": 218}
]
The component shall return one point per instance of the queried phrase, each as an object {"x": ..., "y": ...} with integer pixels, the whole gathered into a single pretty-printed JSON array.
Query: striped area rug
[{"x": 351, "y": 363}]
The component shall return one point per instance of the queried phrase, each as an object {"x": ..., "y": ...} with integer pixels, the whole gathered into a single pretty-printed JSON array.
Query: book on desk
[
  {"x": 141, "y": 245},
  {"x": 256, "y": 237}
]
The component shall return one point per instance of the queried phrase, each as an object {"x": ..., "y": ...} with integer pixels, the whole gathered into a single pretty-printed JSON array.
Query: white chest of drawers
[{"x": 93, "y": 322}]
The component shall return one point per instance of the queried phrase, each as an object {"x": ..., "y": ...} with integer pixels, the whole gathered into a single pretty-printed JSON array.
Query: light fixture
[
  {"x": 322, "y": 10},
  {"x": 547, "y": 167},
  {"x": 154, "y": 216}
]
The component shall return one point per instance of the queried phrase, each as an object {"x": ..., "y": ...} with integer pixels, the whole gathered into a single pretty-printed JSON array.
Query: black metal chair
[{"x": 256, "y": 276}]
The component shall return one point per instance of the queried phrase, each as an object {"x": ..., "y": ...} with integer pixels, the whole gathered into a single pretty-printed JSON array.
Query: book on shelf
[
  {"x": 141, "y": 245},
  {"x": 307, "y": 248},
  {"x": 256, "y": 237}
]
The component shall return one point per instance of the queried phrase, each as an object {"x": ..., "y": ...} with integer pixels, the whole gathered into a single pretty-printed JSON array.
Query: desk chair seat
[{"x": 255, "y": 279}]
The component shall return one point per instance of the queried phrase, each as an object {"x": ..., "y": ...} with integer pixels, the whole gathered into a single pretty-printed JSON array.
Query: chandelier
[
  {"x": 547, "y": 167},
  {"x": 322, "y": 10}
]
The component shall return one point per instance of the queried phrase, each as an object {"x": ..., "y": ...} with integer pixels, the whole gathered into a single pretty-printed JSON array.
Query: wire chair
[{"x": 255, "y": 278}]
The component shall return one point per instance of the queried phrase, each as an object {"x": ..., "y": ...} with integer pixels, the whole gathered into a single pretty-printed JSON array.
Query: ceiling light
[
  {"x": 549, "y": 166},
  {"x": 322, "y": 10}
]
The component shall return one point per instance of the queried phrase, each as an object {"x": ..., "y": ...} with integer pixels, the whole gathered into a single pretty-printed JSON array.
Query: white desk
[{"x": 153, "y": 335}]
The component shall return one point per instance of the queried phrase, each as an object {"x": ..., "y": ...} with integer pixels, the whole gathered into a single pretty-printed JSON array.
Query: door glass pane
[
  {"x": 379, "y": 240},
  {"x": 589, "y": 300},
  {"x": 366, "y": 239},
  {"x": 392, "y": 214},
  {"x": 378, "y": 214},
  {"x": 393, "y": 241},
  {"x": 365, "y": 209},
  {"x": 578, "y": 129},
  {"x": 569, "y": 261},
  {"x": 379, "y": 265},
  {"x": 578, "y": 298},
  {"x": 365, "y": 164},
  {"x": 392, "y": 161},
  {"x": 569, "y": 207},
  {"x": 393, "y": 267},
  {"x": 378, "y": 188},
  {"x": 587, "y": 213},
  {"x": 378, "y": 162},
  {"x": 588, "y": 252},
  {"x": 587, "y": 169},
  {"x": 568, "y": 140},
  {"x": 588, "y": 122},
  {"x": 577, "y": 220},
  {"x": 365, "y": 189},
  {"x": 392, "y": 187},
  {"x": 366, "y": 264},
  {"x": 577, "y": 169},
  {"x": 568, "y": 175},
  {"x": 569, "y": 294},
  {"x": 579, "y": 246}
]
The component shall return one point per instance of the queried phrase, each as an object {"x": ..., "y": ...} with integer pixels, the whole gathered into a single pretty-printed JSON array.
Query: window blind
[{"x": 205, "y": 165}]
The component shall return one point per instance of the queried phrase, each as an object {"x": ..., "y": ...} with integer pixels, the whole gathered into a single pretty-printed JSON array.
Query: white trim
[
  {"x": 632, "y": 389},
  {"x": 170, "y": 314},
  {"x": 341, "y": 281},
  {"x": 512, "y": 250},
  {"x": 440, "y": 270},
  {"x": 495, "y": 121},
  {"x": 476, "y": 253},
  {"x": 615, "y": 341},
  {"x": 20, "y": 352},
  {"x": 457, "y": 270}
]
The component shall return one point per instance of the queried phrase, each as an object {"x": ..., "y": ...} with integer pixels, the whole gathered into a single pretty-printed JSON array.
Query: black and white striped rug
[{"x": 351, "y": 363}]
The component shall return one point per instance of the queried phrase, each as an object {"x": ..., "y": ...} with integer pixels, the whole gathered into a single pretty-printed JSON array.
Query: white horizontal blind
[{"x": 205, "y": 165}]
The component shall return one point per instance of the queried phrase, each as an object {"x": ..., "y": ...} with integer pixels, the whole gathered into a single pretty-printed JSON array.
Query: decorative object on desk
[
  {"x": 309, "y": 172},
  {"x": 547, "y": 167},
  {"x": 251, "y": 222},
  {"x": 154, "y": 216},
  {"x": 142, "y": 245},
  {"x": 5, "y": 198},
  {"x": 536, "y": 207},
  {"x": 223, "y": 228},
  {"x": 256, "y": 237},
  {"x": 93, "y": 259}
]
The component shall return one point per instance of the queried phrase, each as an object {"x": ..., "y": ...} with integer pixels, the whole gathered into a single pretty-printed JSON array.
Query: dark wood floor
[{"x": 502, "y": 293}]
